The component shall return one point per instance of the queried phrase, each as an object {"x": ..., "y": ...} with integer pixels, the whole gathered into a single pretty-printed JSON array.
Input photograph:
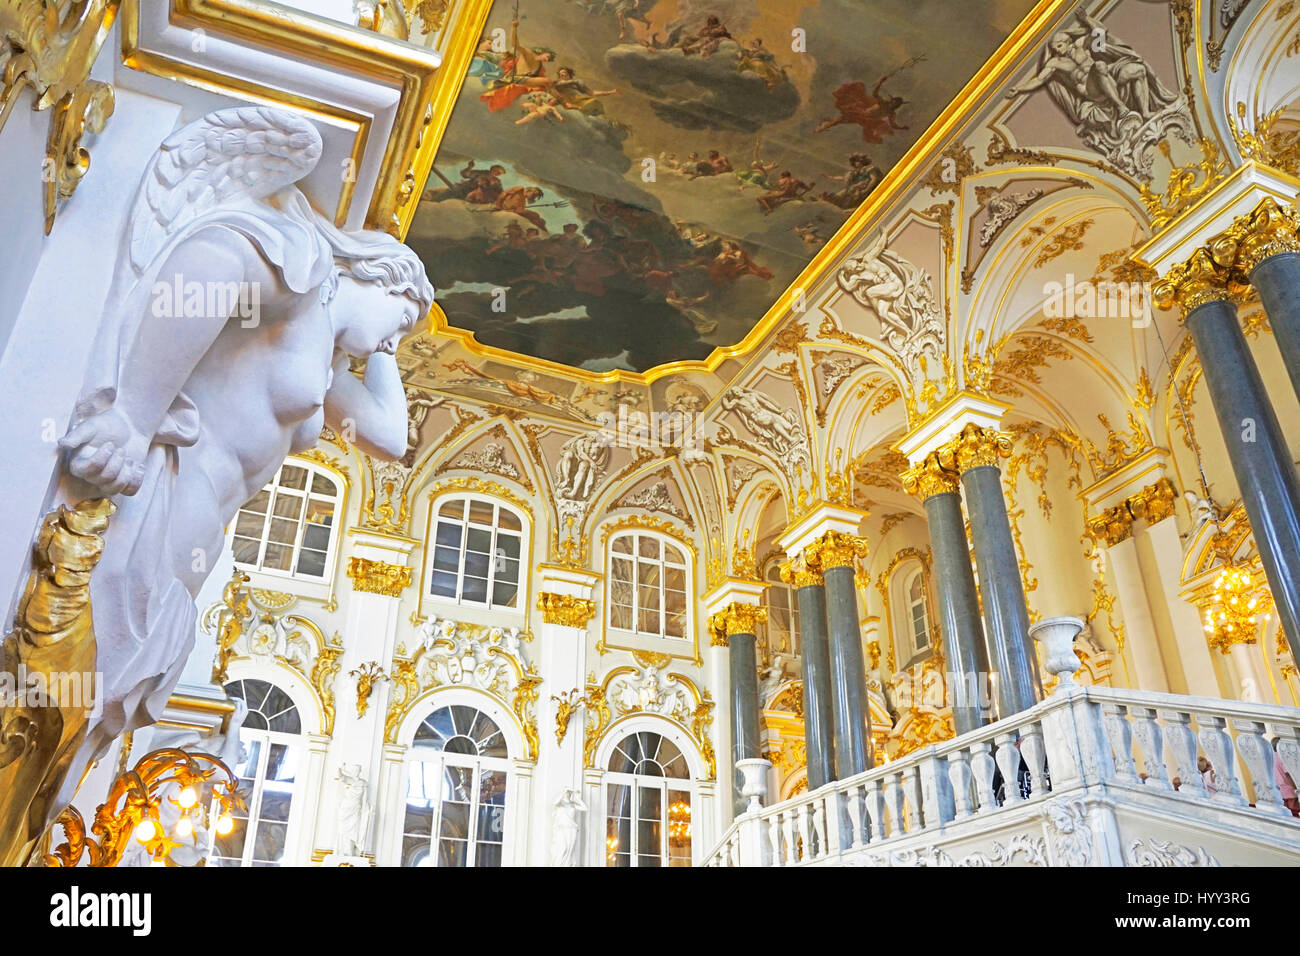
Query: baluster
[
  {"x": 774, "y": 838},
  {"x": 1182, "y": 740},
  {"x": 875, "y": 813},
  {"x": 1257, "y": 754},
  {"x": 1035, "y": 754},
  {"x": 1008, "y": 758},
  {"x": 805, "y": 843},
  {"x": 1218, "y": 749},
  {"x": 912, "y": 798},
  {"x": 983, "y": 766},
  {"x": 819, "y": 813},
  {"x": 894, "y": 798},
  {"x": 1151, "y": 745},
  {"x": 854, "y": 797},
  {"x": 1288, "y": 748},
  {"x": 1120, "y": 736},
  {"x": 960, "y": 777}
]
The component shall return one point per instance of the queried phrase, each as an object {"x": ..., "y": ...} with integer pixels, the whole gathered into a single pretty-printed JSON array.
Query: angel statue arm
[{"x": 373, "y": 408}]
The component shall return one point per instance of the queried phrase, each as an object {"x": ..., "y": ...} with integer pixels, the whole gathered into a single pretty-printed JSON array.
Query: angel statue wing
[{"x": 251, "y": 151}]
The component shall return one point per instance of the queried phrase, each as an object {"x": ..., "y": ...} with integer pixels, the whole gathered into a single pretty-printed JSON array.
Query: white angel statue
[{"x": 190, "y": 405}]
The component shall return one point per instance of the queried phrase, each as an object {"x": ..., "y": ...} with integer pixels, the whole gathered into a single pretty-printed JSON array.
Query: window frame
[
  {"x": 437, "y": 762},
  {"x": 901, "y": 607},
  {"x": 275, "y": 578},
  {"x": 295, "y": 745},
  {"x": 429, "y": 568},
  {"x": 666, "y": 786},
  {"x": 771, "y": 580},
  {"x": 687, "y": 639}
]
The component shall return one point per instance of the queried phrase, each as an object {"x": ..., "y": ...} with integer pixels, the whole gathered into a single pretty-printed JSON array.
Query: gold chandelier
[
  {"x": 679, "y": 821},
  {"x": 132, "y": 809},
  {"x": 1236, "y": 608}
]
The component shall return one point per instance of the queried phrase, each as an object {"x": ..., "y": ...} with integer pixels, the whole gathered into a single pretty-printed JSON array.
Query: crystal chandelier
[
  {"x": 1236, "y": 609},
  {"x": 679, "y": 821}
]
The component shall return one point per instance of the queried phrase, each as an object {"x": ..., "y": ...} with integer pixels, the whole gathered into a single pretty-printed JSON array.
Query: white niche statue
[
  {"x": 354, "y": 812},
  {"x": 224, "y": 346},
  {"x": 566, "y": 829}
]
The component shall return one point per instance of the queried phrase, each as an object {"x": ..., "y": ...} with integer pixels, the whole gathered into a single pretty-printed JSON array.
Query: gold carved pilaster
[
  {"x": 835, "y": 549},
  {"x": 378, "y": 577},
  {"x": 736, "y": 618},
  {"x": 974, "y": 447},
  {"x": 929, "y": 478},
  {"x": 49, "y": 655},
  {"x": 565, "y": 609}
]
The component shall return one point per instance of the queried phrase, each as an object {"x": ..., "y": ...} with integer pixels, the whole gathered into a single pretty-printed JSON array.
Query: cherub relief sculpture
[{"x": 191, "y": 402}]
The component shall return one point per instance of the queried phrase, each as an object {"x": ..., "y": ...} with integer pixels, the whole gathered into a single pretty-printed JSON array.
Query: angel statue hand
[{"x": 107, "y": 451}]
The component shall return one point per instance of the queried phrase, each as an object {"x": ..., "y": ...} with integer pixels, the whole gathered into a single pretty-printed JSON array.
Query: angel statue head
[{"x": 190, "y": 405}]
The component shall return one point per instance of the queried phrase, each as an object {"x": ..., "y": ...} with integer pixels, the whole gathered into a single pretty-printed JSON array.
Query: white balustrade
[{"x": 1086, "y": 740}]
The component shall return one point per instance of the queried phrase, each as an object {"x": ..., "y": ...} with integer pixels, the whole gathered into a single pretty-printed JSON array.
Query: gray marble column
[
  {"x": 850, "y": 719},
  {"x": 1277, "y": 279},
  {"x": 745, "y": 744},
  {"x": 959, "y": 611},
  {"x": 816, "y": 683},
  {"x": 1006, "y": 617},
  {"x": 1258, "y": 451}
]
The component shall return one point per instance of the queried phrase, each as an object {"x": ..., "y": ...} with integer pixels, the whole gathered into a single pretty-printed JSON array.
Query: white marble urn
[
  {"x": 1057, "y": 635},
  {"x": 754, "y": 786}
]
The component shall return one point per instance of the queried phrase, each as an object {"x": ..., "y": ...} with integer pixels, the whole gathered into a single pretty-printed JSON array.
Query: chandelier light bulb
[
  {"x": 184, "y": 827},
  {"x": 225, "y": 824},
  {"x": 188, "y": 798},
  {"x": 145, "y": 831}
]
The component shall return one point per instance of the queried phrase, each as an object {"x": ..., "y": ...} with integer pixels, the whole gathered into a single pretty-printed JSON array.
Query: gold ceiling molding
[
  {"x": 1186, "y": 185},
  {"x": 49, "y": 47},
  {"x": 1265, "y": 144},
  {"x": 897, "y": 182}
]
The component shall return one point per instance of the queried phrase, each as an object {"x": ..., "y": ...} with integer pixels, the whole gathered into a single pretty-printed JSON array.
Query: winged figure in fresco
[{"x": 876, "y": 113}]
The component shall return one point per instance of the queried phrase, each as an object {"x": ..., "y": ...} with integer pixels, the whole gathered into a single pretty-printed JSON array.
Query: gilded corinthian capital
[
  {"x": 1267, "y": 230},
  {"x": 798, "y": 574},
  {"x": 975, "y": 447},
  {"x": 736, "y": 618},
  {"x": 929, "y": 478},
  {"x": 1203, "y": 278},
  {"x": 835, "y": 549}
]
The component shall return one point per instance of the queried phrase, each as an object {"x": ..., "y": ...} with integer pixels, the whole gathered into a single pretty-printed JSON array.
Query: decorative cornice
[
  {"x": 835, "y": 549},
  {"x": 736, "y": 618},
  {"x": 565, "y": 609},
  {"x": 929, "y": 478},
  {"x": 378, "y": 577},
  {"x": 975, "y": 447}
]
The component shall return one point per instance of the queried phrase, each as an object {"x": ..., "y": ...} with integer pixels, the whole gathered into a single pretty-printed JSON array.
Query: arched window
[
  {"x": 457, "y": 776},
  {"x": 647, "y": 586},
  {"x": 648, "y": 802},
  {"x": 288, "y": 528},
  {"x": 916, "y": 614},
  {"x": 477, "y": 552},
  {"x": 782, "y": 614},
  {"x": 268, "y": 767}
]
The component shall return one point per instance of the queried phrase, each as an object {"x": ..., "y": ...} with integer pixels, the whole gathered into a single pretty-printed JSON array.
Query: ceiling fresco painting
[{"x": 629, "y": 183}]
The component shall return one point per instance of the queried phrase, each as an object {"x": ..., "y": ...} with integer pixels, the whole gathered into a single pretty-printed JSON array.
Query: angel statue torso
[{"x": 224, "y": 346}]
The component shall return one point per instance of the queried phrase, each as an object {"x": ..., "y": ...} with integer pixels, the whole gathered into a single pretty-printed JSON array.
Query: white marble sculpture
[
  {"x": 224, "y": 346},
  {"x": 1111, "y": 95},
  {"x": 566, "y": 829},
  {"x": 902, "y": 297},
  {"x": 582, "y": 463},
  {"x": 777, "y": 428},
  {"x": 354, "y": 812}
]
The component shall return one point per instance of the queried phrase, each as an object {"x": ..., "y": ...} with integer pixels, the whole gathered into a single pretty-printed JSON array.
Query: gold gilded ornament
[
  {"x": 929, "y": 478},
  {"x": 378, "y": 577},
  {"x": 736, "y": 618},
  {"x": 836, "y": 549},
  {"x": 53, "y": 638},
  {"x": 232, "y": 617},
  {"x": 975, "y": 447},
  {"x": 565, "y": 609},
  {"x": 798, "y": 574},
  {"x": 367, "y": 675}
]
